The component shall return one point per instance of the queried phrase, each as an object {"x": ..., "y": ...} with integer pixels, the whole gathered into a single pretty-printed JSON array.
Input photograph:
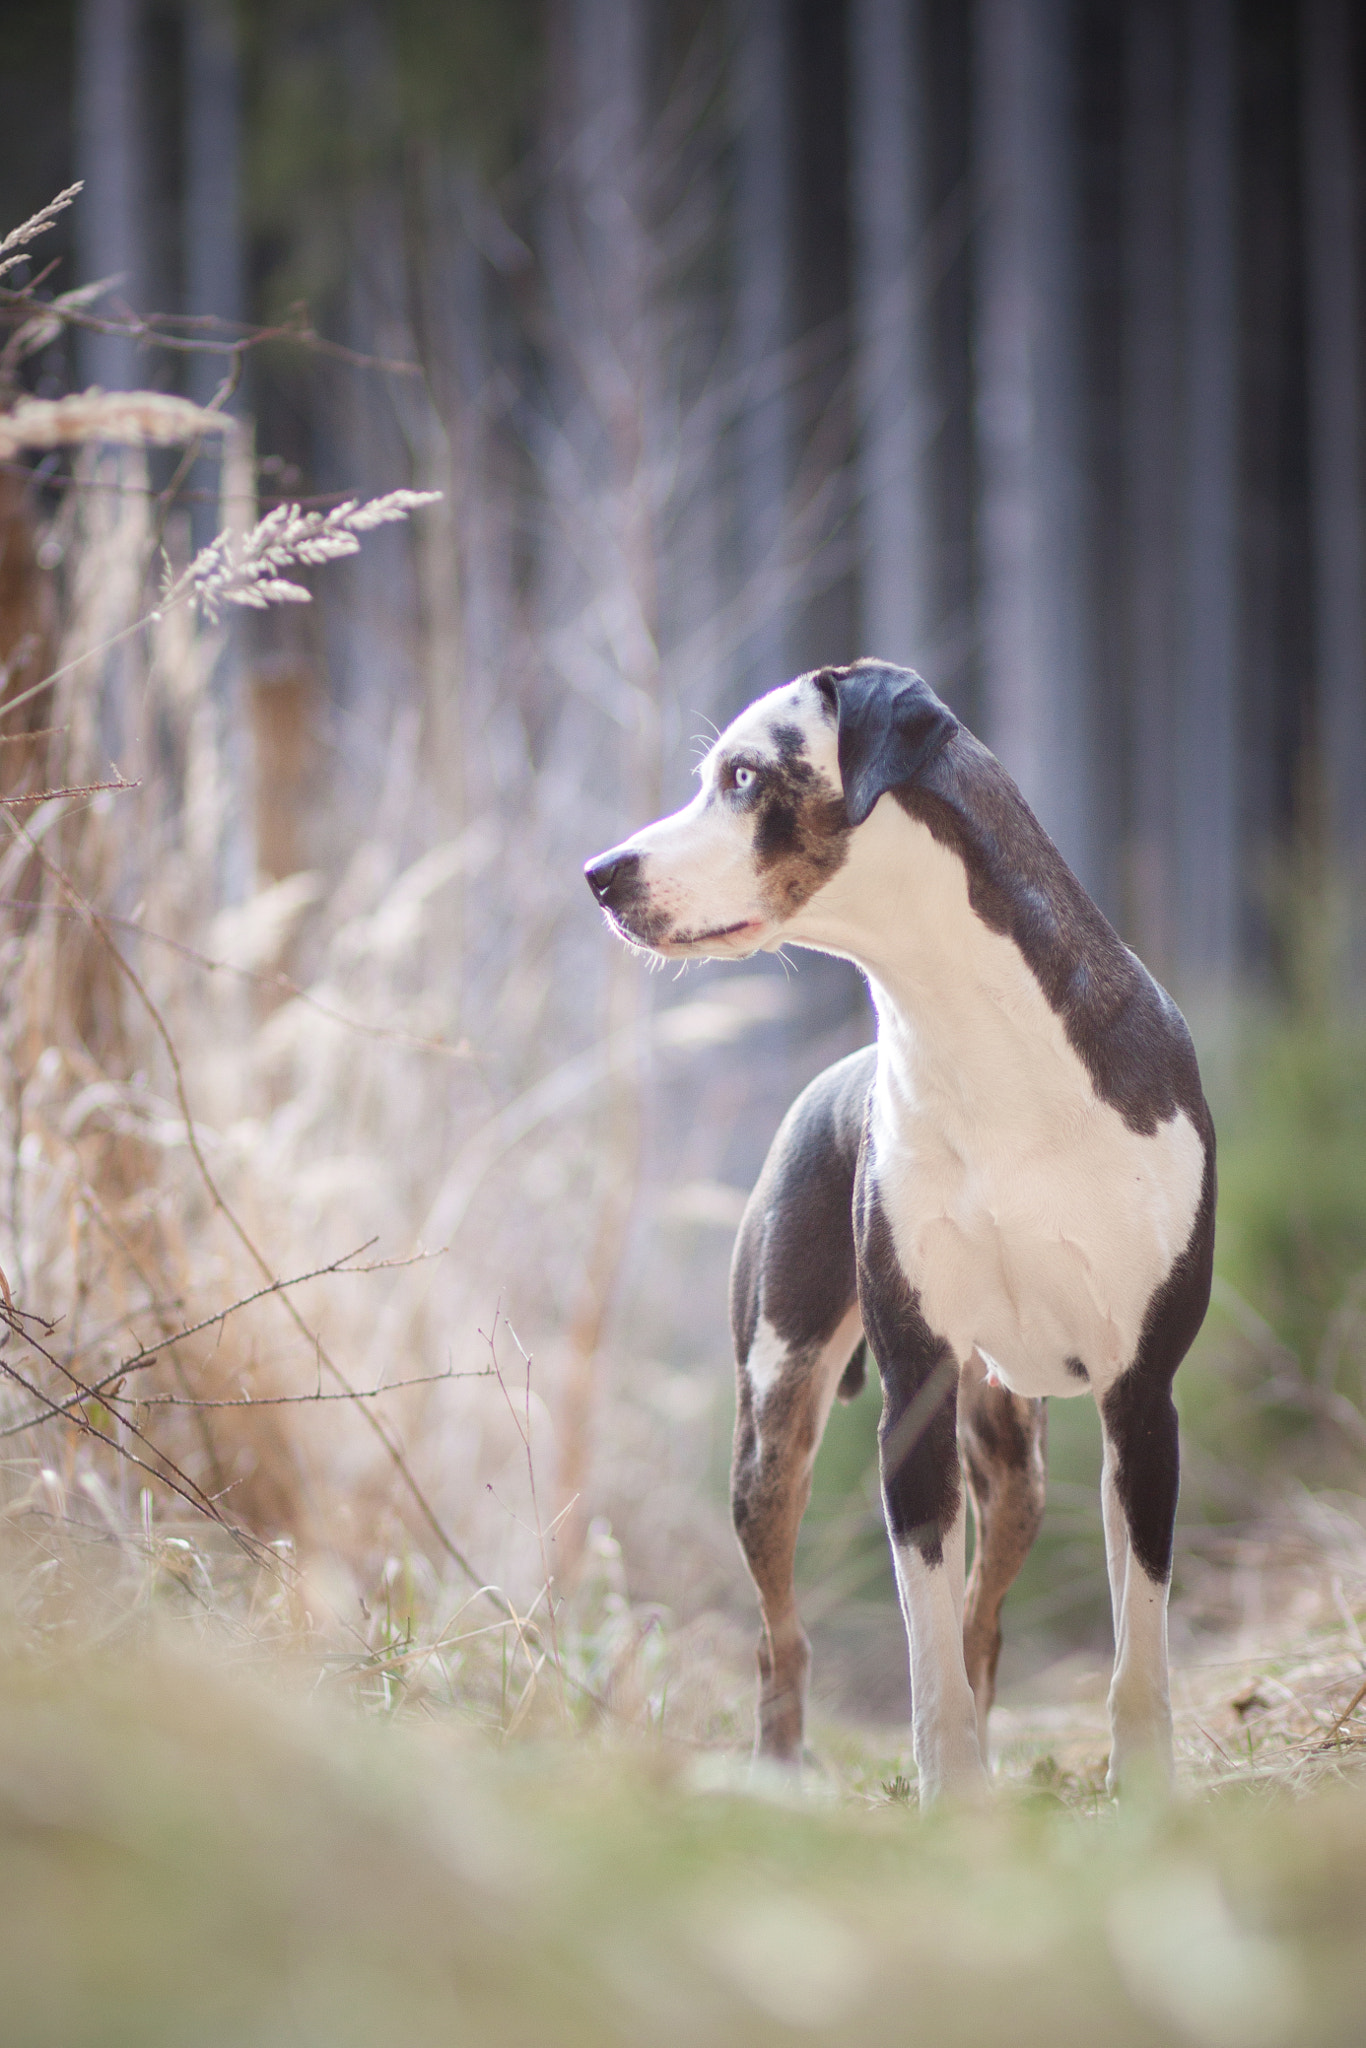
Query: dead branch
[
  {"x": 1344, "y": 1717},
  {"x": 42, "y": 796},
  {"x": 426, "y": 1379},
  {"x": 139, "y": 1360},
  {"x": 194, "y": 334},
  {"x": 167, "y": 1472}
]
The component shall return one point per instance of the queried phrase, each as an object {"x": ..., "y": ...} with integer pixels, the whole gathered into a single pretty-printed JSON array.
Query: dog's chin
[{"x": 726, "y": 942}]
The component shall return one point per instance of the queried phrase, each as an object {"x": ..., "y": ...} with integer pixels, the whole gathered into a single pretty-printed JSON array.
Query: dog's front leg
[
  {"x": 922, "y": 1496},
  {"x": 948, "y": 1754}
]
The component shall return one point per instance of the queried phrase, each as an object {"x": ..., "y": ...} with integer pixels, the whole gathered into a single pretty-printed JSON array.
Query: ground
[{"x": 220, "y": 1823}]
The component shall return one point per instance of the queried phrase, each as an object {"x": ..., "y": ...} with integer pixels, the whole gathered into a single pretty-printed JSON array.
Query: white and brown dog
[{"x": 1010, "y": 1196}]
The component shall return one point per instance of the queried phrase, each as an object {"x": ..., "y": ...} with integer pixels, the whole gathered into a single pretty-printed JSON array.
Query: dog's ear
[{"x": 891, "y": 726}]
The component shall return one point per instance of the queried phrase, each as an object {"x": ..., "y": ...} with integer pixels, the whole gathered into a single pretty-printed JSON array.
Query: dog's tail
[{"x": 854, "y": 1374}]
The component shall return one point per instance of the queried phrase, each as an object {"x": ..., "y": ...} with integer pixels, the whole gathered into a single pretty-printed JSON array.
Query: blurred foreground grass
[{"x": 192, "y": 1854}]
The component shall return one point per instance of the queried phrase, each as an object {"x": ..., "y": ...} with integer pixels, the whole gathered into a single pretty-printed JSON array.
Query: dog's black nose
[{"x": 609, "y": 876}]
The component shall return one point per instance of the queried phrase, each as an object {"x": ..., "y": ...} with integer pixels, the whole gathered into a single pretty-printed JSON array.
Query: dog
[{"x": 1010, "y": 1196}]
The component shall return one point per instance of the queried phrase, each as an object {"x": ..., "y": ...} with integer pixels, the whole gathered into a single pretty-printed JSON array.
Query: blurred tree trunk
[
  {"x": 110, "y": 145},
  {"x": 111, "y": 157},
  {"x": 1151, "y": 459},
  {"x": 604, "y": 469},
  {"x": 1030, "y": 420},
  {"x": 761, "y": 95},
  {"x": 1334, "y": 339},
  {"x": 375, "y": 647},
  {"x": 461, "y": 576},
  {"x": 215, "y": 281},
  {"x": 215, "y": 285},
  {"x": 892, "y": 344},
  {"x": 28, "y": 640},
  {"x": 1206, "y": 726},
  {"x": 214, "y": 256}
]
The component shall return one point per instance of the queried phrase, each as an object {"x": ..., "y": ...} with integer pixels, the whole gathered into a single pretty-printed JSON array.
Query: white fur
[
  {"x": 1140, "y": 1696},
  {"x": 768, "y": 1357},
  {"x": 948, "y": 1753}
]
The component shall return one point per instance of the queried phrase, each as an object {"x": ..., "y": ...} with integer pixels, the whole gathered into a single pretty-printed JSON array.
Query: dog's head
[{"x": 782, "y": 791}]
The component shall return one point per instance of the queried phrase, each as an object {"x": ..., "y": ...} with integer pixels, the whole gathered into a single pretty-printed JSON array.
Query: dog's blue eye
[{"x": 744, "y": 778}]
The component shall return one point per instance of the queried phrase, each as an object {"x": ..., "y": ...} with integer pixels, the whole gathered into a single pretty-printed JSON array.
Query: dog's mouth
[
  {"x": 672, "y": 943},
  {"x": 688, "y": 942},
  {"x": 721, "y": 931}
]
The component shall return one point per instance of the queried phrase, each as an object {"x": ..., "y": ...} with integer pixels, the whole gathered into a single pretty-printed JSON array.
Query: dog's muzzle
[{"x": 612, "y": 877}]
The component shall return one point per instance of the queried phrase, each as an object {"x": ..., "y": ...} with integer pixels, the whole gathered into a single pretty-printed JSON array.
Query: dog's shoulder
[{"x": 1122, "y": 1025}]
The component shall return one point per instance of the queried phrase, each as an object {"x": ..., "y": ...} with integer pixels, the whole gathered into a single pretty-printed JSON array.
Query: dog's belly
[{"x": 1040, "y": 1248}]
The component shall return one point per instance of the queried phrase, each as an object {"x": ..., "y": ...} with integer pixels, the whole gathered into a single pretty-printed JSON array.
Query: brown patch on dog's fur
[
  {"x": 801, "y": 832},
  {"x": 1002, "y": 1440},
  {"x": 770, "y": 1487}
]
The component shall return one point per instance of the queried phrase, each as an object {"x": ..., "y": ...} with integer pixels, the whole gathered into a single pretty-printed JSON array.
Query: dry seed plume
[
  {"x": 37, "y": 224},
  {"x": 246, "y": 570},
  {"x": 131, "y": 418}
]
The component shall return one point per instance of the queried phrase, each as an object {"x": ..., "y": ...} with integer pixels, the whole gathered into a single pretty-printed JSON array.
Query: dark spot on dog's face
[
  {"x": 801, "y": 831},
  {"x": 777, "y": 832}
]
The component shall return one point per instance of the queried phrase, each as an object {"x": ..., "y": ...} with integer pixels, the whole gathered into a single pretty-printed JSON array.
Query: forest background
[{"x": 1018, "y": 341}]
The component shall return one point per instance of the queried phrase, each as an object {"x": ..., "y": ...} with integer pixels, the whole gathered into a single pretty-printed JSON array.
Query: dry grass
[{"x": 197, "y": 1141}]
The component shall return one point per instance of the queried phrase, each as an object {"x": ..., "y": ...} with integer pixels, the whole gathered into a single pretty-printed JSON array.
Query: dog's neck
[
  {"x": 899, "y": 909},
  {"x": 957, "y": 1004}
]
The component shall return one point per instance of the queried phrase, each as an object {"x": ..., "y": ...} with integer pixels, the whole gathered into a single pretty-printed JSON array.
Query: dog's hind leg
[
  {"x": 1140, "y": 1479},
  {"x": 1001, "y": 1441},
  {"x": 785, "y": 1396},
  {"x": 795, "y": 1319}
]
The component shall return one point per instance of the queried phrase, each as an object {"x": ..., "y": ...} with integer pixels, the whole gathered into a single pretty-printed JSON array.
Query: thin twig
[
  {"x": 426, "y": 1379},
  {"x": 42, "y": 796},
  {"x": 151, "y": 1352},
  {"x": 1343, "y": 1718},
  {"x": 523, "y": 1428},
  {"x": 172, "y": 1476},
  {"x": 215, "y": 336},
  {"x": 67, "y": 668}
]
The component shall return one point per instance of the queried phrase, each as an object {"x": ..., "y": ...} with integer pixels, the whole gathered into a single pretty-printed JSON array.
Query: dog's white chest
[{"x": 1033, "y": 1222}]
